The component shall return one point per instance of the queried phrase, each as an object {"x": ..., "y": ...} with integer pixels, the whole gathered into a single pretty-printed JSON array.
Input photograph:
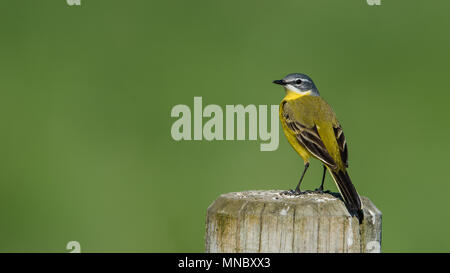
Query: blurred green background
[{"x": 86, "y": 150}]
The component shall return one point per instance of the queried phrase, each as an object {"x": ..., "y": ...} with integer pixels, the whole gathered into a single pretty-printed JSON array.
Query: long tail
[{"x": 348, "y": 192}]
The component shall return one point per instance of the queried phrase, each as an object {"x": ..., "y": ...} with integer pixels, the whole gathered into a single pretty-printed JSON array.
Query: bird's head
[{"x": 298, "y": 83}]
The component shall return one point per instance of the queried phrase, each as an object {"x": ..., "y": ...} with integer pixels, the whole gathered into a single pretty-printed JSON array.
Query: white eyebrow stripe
[{"x": 303, "y": 80}]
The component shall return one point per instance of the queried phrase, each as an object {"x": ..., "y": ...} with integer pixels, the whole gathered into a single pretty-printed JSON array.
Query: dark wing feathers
[
  {"x": 310, "y": 139},
  {"x": 342, "y": 143}
]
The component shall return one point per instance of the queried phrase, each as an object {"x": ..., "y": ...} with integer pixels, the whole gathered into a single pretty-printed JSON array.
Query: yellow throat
[{"x": 292, "y": 95}]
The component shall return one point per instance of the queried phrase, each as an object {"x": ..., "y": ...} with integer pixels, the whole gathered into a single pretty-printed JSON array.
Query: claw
[
  {"x": 293, "y": 192},
  {"x": 321, "y": 191}
]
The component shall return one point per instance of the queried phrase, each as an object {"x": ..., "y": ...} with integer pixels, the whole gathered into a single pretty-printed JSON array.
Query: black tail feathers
[{"x": 348, "y": 192}]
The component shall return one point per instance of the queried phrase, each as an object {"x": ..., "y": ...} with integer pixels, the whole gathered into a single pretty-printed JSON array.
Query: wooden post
[{"x": 265, "y": 221}]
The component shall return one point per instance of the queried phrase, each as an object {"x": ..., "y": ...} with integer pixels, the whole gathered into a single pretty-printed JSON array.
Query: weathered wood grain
[{"x": 266, "y": 221}]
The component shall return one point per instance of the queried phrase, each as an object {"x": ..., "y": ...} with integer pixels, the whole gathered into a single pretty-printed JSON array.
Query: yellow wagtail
[{"x": 313, "y": 130}]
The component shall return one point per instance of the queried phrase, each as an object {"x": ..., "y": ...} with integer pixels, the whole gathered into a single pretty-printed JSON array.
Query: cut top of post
[{"x": 267, "y": 221}]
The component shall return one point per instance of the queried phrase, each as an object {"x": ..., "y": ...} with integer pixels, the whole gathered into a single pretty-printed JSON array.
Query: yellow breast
[{"x": 290, "y": 135}]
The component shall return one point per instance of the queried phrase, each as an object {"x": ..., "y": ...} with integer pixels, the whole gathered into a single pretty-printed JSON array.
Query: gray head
[{"x": 299, "y": 83}]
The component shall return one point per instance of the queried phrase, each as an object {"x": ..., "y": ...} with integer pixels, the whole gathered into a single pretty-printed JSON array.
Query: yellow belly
[{"x": 293, "y": 141}]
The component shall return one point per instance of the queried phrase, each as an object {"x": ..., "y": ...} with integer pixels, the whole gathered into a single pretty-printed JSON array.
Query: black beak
[{"x": 280, "y": 82}]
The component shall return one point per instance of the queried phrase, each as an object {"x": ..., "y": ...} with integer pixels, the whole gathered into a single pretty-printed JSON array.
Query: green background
[{"x": 86, "y": 95}]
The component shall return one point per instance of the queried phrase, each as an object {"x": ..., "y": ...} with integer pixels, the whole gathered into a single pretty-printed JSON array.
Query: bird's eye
[{"x": 298, "y": 81}]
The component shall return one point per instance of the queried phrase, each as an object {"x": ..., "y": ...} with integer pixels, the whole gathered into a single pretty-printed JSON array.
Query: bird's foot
[
  {"x": 321, "y": 191},
  {"x": 294, "y": 192}
]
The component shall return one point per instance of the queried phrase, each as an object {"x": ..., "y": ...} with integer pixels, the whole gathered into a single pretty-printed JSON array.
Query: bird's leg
[
  {"x": 320, "y": 189},
  {"x": 297, "y": 189},
  {"x": 323, "y": 177}
]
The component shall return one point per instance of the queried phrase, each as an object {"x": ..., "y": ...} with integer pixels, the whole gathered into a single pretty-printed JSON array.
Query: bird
[{"x": 313, "y": 130}]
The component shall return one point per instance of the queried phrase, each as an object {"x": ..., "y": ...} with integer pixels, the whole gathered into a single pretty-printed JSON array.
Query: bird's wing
[
  {"x": 342, "y": 143},
  {"x": 316, "y": 128}
]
